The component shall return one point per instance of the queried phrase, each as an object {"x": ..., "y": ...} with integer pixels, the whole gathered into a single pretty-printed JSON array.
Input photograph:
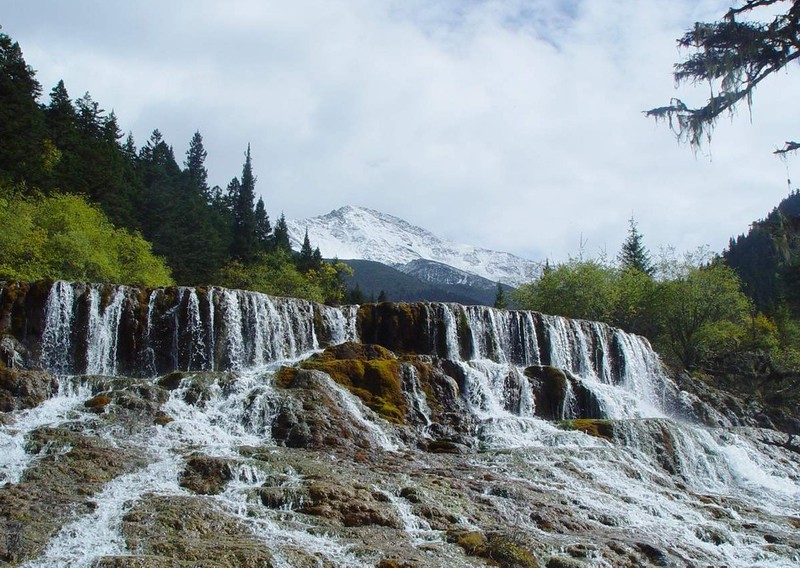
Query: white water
[
  {"x": 65, "y": 406},
  {"x": 625, "y": 482}
]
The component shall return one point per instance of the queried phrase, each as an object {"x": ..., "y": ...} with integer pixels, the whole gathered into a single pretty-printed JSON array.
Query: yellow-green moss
[
  {"x": 377, "y": 382},
  {"x": 285, "y": 376},
  {"x": 594, "y": 427},
  {"x": 497, "y": 548}
]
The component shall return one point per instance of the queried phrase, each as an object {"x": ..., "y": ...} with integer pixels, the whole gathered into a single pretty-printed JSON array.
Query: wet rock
[
  {"x": 370, "y": 372},
  {"x": 20, "y": 389},
  {"x": 350, "y": 506},
  {"x": 550, "y": 387},
  {"x": 187, "y": 531},
  {"x": 316, "y": 416},
  {"x": 206, "y": 475},
  {"x": 597, "y": 428},
  {"x": 70, "y": 468}
]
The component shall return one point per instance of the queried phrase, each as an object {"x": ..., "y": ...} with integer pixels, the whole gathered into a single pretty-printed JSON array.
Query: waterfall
[
  {"x": 102, "y": 337},
  {"x": 615, "y": 373},
  {"x": 57, "y": 335}
]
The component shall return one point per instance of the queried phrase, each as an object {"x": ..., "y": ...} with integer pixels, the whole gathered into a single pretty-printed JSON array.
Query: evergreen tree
[
  {"x": 732, "y": 56},
  {"x": 382, "y": 297},
  {"x": 281, "y": 235},
  {"x": 305, "y": 260},
  {"x": 61, "y": 117},
  {"x": 90, "y": 117},
  {"x": 500, "y": 301},
  {"x": 231, "y": 197},
  {"x": 244, "y": 219},
  {"x": 263, "y": 228},
  {"x": 195, "y": 166},
  {"x": 21, "y": 122},
  {"x": 633, "y": 254},
  {"x": 355, "y": 296}
]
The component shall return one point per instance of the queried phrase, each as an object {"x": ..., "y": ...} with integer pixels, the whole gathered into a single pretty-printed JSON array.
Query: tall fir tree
[
  {"x": 305, "y": 260},
  {"x": 195, "y": 166},
  {"x": 633, "y": 254},
  {"x": 263, "y": 228},
  {"x": 244, "y": 219},
  {"x": 281, "y": 235},
  {"x": 22, "y": 128}
]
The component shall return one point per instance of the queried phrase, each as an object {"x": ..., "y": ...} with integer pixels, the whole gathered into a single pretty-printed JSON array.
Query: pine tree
[
  {"x": 195, "y": 166},
  {"x": 263, "y": 228},
  {"x": 61, "y": 117},
  {"x": 500, "y": 301},
  {"x": 244, "y": 218},
  {"x": 305, "y": 260},
  {"x": 633, "y": 254},
  {"x": 281, "y": 235},
  {"x": 21, "y": 121}
]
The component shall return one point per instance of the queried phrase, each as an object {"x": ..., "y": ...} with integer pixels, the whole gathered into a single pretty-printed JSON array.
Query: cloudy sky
[{"x": 513, "y": 124}]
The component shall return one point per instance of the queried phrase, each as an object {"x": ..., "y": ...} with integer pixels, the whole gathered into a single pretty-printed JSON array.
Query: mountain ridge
[{"x": 366, "y": 234}]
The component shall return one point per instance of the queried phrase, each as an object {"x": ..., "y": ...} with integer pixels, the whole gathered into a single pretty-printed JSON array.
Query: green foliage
[
  {"x": 701, "y": 310},
  {"x": 575, "y": 289},
  {"x": 63, "y": 236},
  {"x": 696, "y": 309},
  {"x": 276, "y": 274}
]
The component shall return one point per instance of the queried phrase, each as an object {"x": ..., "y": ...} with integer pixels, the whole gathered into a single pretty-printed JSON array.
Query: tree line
[
  {"x": 201, "y": 234},
  {"x": 692, "y": 307}
]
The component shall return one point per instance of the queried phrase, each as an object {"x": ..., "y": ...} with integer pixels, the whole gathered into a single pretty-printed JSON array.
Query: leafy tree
[
  {"x": 634, "y": 255},
  {"x": 698, "y": 309},
  {"x": 733, "y": 56},
  {"x": 276, "y": 274},
  {"x": 64, "y": 236},
  {"x": 576, "y": 289}
]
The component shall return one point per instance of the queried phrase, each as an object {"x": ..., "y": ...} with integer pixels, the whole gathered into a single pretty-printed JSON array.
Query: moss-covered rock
[
  {"x": 496, "y": 547},
  {"x": 370, "y": 372},
  {"x": 186, "y": 531},
  {"x": 594, "y": 427}
]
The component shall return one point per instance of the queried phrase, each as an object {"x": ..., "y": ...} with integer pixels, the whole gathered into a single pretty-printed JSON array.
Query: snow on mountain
[{"x": 359, "y": 233}]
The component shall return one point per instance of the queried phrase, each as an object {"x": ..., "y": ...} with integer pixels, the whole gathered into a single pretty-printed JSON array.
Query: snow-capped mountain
[{"x": 359, "y": 233}]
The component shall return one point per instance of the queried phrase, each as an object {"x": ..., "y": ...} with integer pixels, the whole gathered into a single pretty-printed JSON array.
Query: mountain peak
[{"x": 352, "y": 232}]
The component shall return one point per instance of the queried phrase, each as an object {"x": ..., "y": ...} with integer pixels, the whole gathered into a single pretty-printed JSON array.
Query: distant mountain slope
[
  {"x": 366, "y": 234},
  {"x": 373, "y": 277},
  {"x": 767, "y": 258}
]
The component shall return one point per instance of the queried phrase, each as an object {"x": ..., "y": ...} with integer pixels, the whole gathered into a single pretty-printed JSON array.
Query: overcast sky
[{"x": 515, "y": 125}]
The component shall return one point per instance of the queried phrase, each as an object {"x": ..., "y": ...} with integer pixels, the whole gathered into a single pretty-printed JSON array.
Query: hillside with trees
[{"x": 74, "y": 187}]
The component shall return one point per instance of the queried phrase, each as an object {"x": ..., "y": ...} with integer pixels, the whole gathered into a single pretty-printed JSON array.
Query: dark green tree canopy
[
  {"x": 732, "y": 56},
  {"x": 244, "y": 218}
]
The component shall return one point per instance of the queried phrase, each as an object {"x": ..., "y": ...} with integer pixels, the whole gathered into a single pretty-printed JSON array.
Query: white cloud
[{"x": 513, "y": 124}]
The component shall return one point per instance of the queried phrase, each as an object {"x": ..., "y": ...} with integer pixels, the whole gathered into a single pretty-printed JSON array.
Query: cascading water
[
  {"x": 700, "y": 496},
  {"x": 57, "y": 336}
]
